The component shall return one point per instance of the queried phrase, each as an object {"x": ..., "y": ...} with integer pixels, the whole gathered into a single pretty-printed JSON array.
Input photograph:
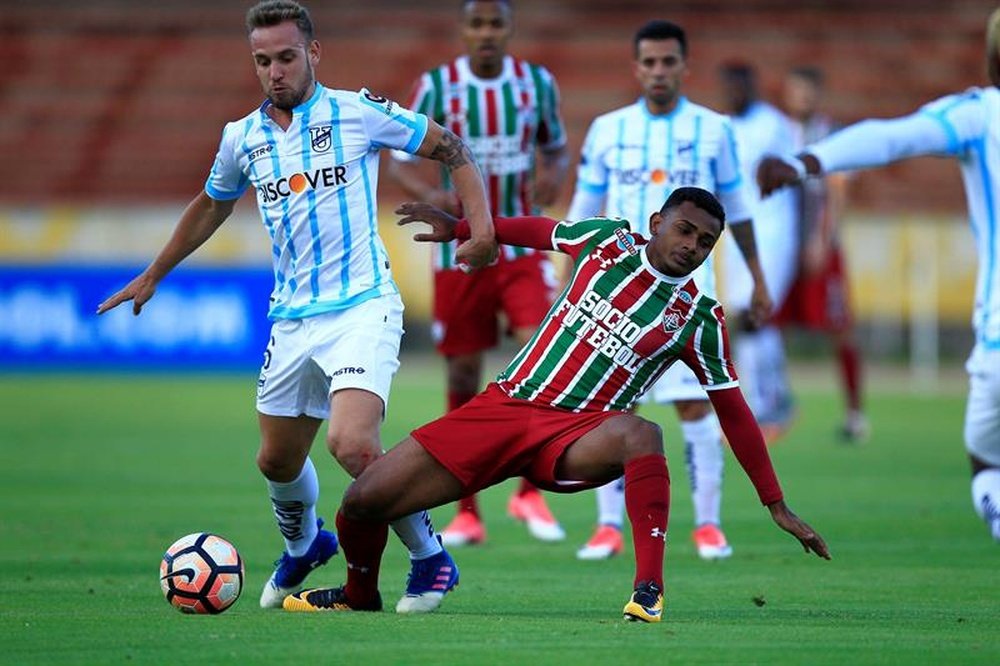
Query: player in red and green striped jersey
[
  {"x": 559, "y": 414},
  {"x": 507, "y": 111}
]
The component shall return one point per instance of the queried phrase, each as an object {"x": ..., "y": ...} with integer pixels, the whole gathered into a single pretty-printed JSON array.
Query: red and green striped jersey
[
  {"x": 618, "y": 325},
  {"x": 504, "y": 121}
]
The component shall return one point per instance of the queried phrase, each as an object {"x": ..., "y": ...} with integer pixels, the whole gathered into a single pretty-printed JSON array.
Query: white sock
[
  {"x": 773, "y": 386},
  {"x": 611, "y": 503},
  {"x": 417, "y": 534},
  {"x": 986, "y": 498},
  {"x": 294, "y": 505},
  {"x": 703, "y": 455}
]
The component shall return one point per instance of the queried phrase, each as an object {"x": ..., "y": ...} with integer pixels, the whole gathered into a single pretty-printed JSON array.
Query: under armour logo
[{"x": 657, "y": 533}]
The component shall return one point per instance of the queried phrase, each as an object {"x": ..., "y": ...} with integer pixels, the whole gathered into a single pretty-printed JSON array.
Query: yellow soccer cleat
[
  {"x": 646, "y": 604},
  {"x": 324, "y": 599}
]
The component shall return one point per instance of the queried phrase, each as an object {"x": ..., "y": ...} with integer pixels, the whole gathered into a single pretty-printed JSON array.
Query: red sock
[
  {"x": 362, "y": 543},
  {"x": 647, "y": 501},
  {"x": 526, "y": 486},
  {"x": 457, "y": 398},
  {"x": 850, "y": 373},
  {"x": 469, "y": 504}
]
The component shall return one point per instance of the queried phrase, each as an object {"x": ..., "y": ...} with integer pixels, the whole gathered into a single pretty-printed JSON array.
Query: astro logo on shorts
[
  {"x": 297, "y": 183},
  {"x": 348, "y": 371}
]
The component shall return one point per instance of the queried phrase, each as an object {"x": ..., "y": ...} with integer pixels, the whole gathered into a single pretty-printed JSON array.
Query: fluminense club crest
[
  {"x": 672, "y": 320},
  {"x": 321, "y": 138}
]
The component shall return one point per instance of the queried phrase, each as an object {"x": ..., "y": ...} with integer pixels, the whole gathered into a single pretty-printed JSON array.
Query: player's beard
[{"x": 290, "y": 100}]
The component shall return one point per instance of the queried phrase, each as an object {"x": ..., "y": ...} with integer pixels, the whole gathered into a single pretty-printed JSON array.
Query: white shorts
[
  {"x": 678, "y": 383},
  {"x": 982, "y": 413},
  {"x": 308, "y": 360}
]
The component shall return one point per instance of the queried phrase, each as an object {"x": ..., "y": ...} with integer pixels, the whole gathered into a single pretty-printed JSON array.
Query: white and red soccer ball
[{"x": 201, "y": 573}]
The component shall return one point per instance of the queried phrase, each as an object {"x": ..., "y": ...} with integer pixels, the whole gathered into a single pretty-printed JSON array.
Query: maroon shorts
[
  {"x": 820, "y": 301},
  {"x": 495, "y": 437},
  {"x": 466, "y": 306}
]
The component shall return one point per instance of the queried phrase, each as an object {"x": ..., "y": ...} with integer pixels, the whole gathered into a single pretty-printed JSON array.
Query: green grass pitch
[{"x": 100, "y": 473}]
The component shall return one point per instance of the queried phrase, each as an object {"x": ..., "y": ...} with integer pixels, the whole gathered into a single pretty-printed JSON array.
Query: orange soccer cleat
[
  {"x": 711, "y": 542},
  {"x": 530, "y": 508},
  {"x": 606, "y": 543}
]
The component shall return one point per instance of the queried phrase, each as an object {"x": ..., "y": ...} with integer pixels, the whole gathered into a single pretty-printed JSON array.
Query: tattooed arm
[{"x": 443, "y": 146}]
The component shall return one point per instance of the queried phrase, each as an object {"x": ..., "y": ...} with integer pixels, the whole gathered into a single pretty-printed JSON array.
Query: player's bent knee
[
  {"x": 643, "y": 438},
  {"x": 360, "y": 503},
  {"x": 278, "y": 468},
  {"x": 354, "y": 454}
]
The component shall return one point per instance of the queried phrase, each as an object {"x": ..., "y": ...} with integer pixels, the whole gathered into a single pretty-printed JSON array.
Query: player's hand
[
  {"x": 774, "y": 173},
  {"x": 807, "y": 536},
  {"x": 761, "y": 305},
  {"x": 442, "y": 224},
  {"x": 139, "y": 291},
  {"x": 446, "y": 201},
  {"x": 476, "y": 253}
]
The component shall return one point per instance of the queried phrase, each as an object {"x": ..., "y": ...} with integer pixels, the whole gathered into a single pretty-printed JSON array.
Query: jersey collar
[
  {"x": 669, "y": 279},
  {"x": 301, "y": 108},
  {"x": 681, "y": 103}
]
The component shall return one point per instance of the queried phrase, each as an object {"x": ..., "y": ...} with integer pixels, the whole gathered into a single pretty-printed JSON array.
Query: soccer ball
[{"x": 201, "y": 573}]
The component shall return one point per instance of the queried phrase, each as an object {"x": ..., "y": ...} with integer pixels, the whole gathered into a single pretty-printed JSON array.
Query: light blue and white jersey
[
  {"x": 633, "y": 160},
  {"x": 316, "y": 186},
  {"x": 965, "y": 126}
]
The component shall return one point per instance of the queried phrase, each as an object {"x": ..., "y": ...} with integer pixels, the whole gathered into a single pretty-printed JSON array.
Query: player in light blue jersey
[
  {"x": 310, "y": 155},
  {"x": 965, "y": 126},
  {"x": 632, "y": 159},
  {"x": 759, "y": 350}
]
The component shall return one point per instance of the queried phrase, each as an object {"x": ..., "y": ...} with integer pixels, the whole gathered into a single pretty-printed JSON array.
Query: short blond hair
[{"x": 993, "y": 47}]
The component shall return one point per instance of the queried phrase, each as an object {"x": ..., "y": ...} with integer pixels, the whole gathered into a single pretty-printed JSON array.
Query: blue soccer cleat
[
  {"x": 430, "y": 579},
  {"x": 290, "y": 572}
]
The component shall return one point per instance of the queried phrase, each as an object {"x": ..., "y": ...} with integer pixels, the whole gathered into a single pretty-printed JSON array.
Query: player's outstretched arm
[
  {"x": 748, "y": 446},
  {"x": 447, "y": 148},
  {"x": 533, "y": 231},
  {"x": 197, "y": 224},
  {"x": 798, "y": 528}
]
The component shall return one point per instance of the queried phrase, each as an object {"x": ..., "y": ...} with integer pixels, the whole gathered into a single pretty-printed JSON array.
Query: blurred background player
[
  {"x": 761, "y": 129},
  {"x": 632, "y": 159},
  {"x": 819, "y": 298},
  {"x": 311, "y": 154},
  {"x": 507, "y": 111},
  {"x": 965, "y": 126}
]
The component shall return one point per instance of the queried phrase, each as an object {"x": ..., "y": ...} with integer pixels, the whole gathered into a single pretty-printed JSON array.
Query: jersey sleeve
[
  {"x": 961, "y": 117},
  {"x": 423, "y": 99},
  {"x": 390, "y": 125},
  {"x": 730, "y": 186},
  {"x": 708, "y": 352},
  {"x": 551, "y": 130},
  {"x": 575, "y": 238},
  {"x": 226, "y": 181}
]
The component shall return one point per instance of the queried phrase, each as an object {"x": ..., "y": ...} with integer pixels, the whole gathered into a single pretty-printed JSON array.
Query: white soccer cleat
[{"x": 273, "y": 596}]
